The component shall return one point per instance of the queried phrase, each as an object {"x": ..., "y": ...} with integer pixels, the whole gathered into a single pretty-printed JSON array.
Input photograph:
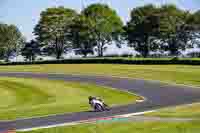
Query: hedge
[{"x": 112, "y": 61}]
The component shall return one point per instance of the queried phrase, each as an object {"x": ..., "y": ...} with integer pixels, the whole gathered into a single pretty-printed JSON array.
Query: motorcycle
[
  {"x": 98, "y": 105},
  {"x": 101, "y": 108}
]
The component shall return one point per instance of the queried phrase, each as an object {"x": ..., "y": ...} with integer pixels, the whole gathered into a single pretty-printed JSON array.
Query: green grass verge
[
  {"x": 128, "y": 127},
  {"x": 185, "y": 111},
  {"x": 181, "y": 74},
  {"x": 20, "y": 98}
]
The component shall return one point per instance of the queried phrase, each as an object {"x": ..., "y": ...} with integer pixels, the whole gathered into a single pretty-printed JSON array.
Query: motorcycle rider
[{"x": 95, "y": 100}]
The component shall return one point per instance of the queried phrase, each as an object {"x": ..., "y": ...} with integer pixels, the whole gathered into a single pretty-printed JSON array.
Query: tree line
[{"x": 150, "y": 28}]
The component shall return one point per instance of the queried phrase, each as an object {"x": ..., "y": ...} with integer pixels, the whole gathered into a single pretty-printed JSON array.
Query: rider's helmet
[{"x": 90, "y": 98}]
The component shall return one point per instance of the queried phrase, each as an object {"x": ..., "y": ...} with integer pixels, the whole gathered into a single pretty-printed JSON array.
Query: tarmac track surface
[{"x": 157, "y": 95}]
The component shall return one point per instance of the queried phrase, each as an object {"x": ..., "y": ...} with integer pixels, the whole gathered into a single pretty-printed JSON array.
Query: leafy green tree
[
  {"x": 52, "y": 29},
  {"x": 194, "y": 19},
  {"x": 159, "y": 28},
  {"x": 106, "y": 25},
  {"x": 30, "y": 50},
  {"x": 80, "y": 34},
  {"x": 193, "y": 24},
  {"x": 174, "y": 32},
  {"x": 11, "y": 40},
  {"x": 142, "y": 29}
]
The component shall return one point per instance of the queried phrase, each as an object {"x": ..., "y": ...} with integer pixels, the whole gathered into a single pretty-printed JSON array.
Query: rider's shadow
[{"x": 92, "y": 111}]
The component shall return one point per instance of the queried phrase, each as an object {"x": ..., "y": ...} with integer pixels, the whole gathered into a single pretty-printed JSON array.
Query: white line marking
[
  {"x": 138, "y": 113},
  {"x": 45, "y": 127}
]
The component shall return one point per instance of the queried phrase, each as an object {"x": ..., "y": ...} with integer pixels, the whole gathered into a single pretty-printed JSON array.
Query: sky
[{"x": 26, "y": 13}]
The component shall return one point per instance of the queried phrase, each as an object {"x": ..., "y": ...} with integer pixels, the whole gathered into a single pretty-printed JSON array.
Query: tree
[
  {"x": 159, "y": 28},
  {"x": 193, "y": 24},
  {"x": 11, "y": 39},
  {"x": 142, "y": 29},
  {"x": 52, "y": 29},
  {"x": 80, "y": 34},
  {"x": 194, "y": 19},
  {"x": 106, "y": 25},
  {"x": 174, "y": 31},
  {"x": 30, "y": 50}
]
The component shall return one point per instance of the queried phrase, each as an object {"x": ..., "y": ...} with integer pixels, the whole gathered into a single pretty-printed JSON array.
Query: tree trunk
[
  {"x": 145, "y": 53},
  {"x": 7, "y": 59},
  {"x": 8, "y": 54},
  {"x": 173, "y": 47},
  {"x": 146, "y": 47},
  {"x": 100, "y": 49},
  {"x": 59, "y": 48},
  {"x": 58, "y": 55},
  {"x": 84, "y": 55}
]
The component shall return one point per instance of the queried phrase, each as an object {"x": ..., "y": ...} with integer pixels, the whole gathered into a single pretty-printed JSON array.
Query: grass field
[
  {"x": 21, "y": 98},
  {"x": 128, "y": 127},
  {"x": 181, "y": 74},
  {"x": 185, "y": 111}
]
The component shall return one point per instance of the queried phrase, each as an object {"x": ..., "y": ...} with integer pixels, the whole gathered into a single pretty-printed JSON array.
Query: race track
[{"x": 157, "y": 95}]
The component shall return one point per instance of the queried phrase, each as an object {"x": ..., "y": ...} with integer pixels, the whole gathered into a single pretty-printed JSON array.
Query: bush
[
  {"x": 111, "y": 61},
  {"x": 126, "y": 55},
  {"x": 175, "y": 59}
]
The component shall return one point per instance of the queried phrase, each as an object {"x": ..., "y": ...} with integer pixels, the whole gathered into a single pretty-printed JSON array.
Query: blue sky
[{"x": 25, "y": 13}]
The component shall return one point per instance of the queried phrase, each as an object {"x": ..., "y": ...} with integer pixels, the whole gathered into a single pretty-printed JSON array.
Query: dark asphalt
[{"x": 158, "y": 95}]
